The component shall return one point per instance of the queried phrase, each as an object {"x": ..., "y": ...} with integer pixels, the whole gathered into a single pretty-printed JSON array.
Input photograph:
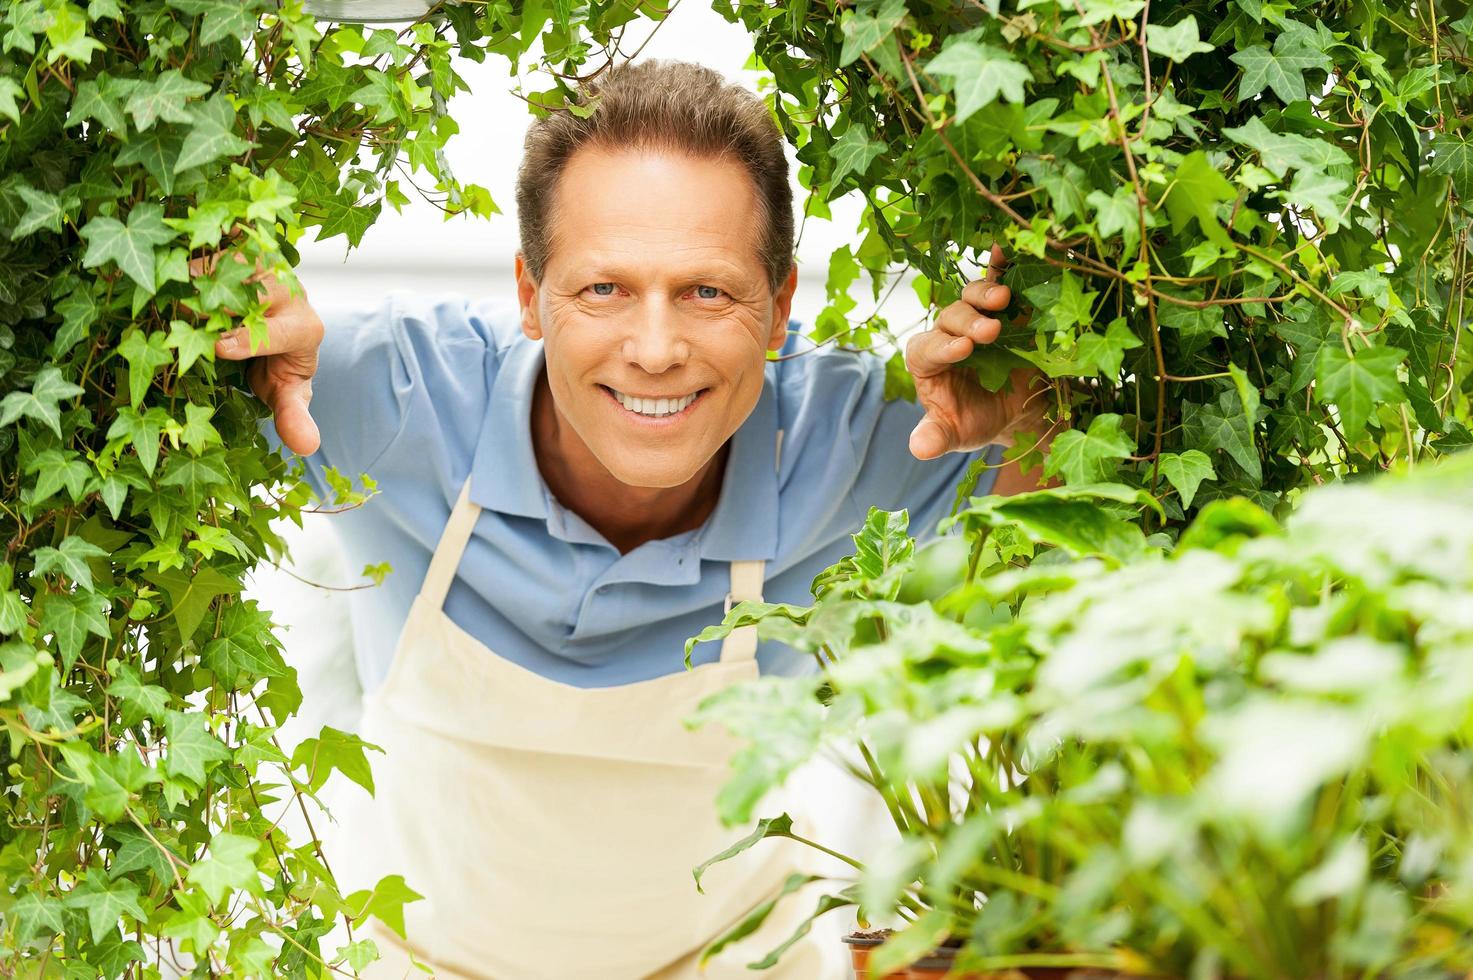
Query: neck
[{"x": 627, "y": 516}]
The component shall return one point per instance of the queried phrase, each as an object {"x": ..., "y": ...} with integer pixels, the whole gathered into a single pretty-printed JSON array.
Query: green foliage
[
  {"x": 1238, "y": 230},
  {"x": 140, "y": 696},
  {"x": 1250, "y": 757}
]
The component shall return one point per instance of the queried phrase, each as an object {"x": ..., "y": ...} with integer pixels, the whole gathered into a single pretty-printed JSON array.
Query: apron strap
[
  {"x": 747, "y": 578},
  {"x": 746, "y": 583},
  {"x": 453, "y": 539}
]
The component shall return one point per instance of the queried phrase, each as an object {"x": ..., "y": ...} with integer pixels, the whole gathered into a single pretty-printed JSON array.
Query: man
[{"x": 565, "y": 503}]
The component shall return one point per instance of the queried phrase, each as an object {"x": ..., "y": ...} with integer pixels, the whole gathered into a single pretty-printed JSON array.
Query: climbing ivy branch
[
  {"x": 140, "y": 695},
  {"x": 1237, "y": 233}
]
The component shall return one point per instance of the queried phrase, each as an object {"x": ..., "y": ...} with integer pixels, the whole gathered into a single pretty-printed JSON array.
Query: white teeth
[{"x": 655, "y": 407}]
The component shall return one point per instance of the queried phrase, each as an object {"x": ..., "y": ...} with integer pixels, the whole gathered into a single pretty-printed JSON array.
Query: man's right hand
[{"x": 280, "y": 372}]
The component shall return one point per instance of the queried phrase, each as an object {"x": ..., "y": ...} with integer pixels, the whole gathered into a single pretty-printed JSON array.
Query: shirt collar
[
  {"x": 504, "y": 474},
  {"x": 505, "y": 477}
]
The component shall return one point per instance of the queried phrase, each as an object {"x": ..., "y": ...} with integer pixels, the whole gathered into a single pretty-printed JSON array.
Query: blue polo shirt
[{"x": 419, "y": 391}]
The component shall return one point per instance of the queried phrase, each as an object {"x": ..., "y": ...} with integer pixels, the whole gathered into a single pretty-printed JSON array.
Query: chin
[{"x": 654, "y": 476}]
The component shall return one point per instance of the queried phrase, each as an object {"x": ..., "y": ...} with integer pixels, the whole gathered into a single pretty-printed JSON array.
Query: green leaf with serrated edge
[
  {"x": 334, "y": 749},
  {"x": 211, "y": 136},
  {"x": 385, "y": 901},
  {"x": 1222, "y": 425},
  {"x": 105, "y": 903},
  {"x": 228, "y": 866},
  {"x": 778, "y": 826},
  {"x": 139, "y": 700},
  {"x": 163, "y": 97},
  {"x": 145, "y": 354},
  {"x": 191, "y": 749},
  {"x": 40, "y": 403},
  {"x": 131, "y": 246},
  {"x": 853, "y": 152},
  {"x": 1084, "y": 457},
  {"x": 1356, "y": 385},
  {"x": 1179, "y": 41},
  {"x": 980, "y": 74},
  {"x": 1185, "y": 471},
  {"x": 69, "y": 558},
  {"x": 69, "y": 617},
  {"x": 240, "y": 651}
]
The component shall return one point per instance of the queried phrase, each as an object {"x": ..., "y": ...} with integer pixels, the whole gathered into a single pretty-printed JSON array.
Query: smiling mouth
[{"x": 655, "y": 409}]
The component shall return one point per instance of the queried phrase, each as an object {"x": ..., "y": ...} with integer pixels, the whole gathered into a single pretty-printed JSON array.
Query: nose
[{"x": 655, "y": 341}]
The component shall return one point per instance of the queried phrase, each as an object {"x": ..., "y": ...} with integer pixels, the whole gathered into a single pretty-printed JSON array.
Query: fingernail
[
  {"x": 992, "y": 292},
  {"x": 958, "y": 343}
]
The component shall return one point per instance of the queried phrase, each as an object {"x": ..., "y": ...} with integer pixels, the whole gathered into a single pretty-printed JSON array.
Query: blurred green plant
[{"x": 1252, "y": 757}]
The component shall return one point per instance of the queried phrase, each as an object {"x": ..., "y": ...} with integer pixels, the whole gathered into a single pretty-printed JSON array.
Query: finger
[
  {"x": 986, "y": 294},
  {"x": 287, "y": 395},
  {"x": 961, "y": 320},
  {"x": 932, "y": 352},
  {"x": 286, "y": 333},
  {"x": 294, "y": 422},
  {"x": 930, "y": 438},
  {"x": 997, "y": 263}
]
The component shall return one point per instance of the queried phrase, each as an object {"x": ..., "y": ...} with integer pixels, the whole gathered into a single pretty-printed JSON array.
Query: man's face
[{"x": 654, "y": 309}]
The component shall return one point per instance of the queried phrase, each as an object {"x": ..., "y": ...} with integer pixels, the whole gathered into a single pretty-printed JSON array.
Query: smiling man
[{"x": 571, "y": 486}]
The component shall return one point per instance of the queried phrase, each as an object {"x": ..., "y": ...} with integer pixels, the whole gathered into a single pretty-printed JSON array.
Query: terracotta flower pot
[{"x": 941, "y": 961}]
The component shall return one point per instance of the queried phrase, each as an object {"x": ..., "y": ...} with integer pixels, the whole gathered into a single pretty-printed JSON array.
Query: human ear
[
  {"x": 527, "y": 295},
  {"x": 782, "y": 308}
]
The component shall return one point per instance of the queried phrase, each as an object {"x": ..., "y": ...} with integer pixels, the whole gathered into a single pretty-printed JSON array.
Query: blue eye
[
  {"x": 708, "y": 292},
  {"x": 598, "y": 288}
]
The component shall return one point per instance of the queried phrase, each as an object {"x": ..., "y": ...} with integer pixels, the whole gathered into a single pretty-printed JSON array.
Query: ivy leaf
[
  {"x": 1099, "y": 11},
  {"x": 67, "y": 33},
  {"x": 163, "y": 98},
  {"x": 1356, "y": 385},
  {"x": 1281, "y": 152},
  {"x": 1281, "y": 69},
  {"x": 69, "y": 558},
  {"x": 156, "y": 151},
  {"x": 198, "y": 434},
  {"x": 1453, "y": 155},
  {"x": 863, "y": 32},
  {"x": 853, "y": 152},
  {"x": 101, "y": 100},
  {"x": 192, "y": 924},
  {"x": 143, "y": 429},
  {"x": 385, "y": 902},
  {"x": 228, "y": 866},
  {"x": 131, "y": 246},
  {"x": 212, "y": 136},
  {"x": 240, "y": 652},
  {"x": 191, "y": 594},
  {"x": 1084, "y": 457},
  {"x": 223, "y": 18},
  {"x": 192, "y": 749},
  {"x": 54, "y": 470},
  {"x": 145, "y": 354},
  {"x": 1179, "y": 41},
  {"x": 40, "y": 402},
  {"x": 43, "y": 212},
  {"x": 1103, "y": 354},
  {"x": 69, "y": 617},
  {"x": 1222, "y": 425},
  {"x": 36, "y": 915},
  {"x": 333, "y": 749},
  {"x": 195, "y": 474},
  {"x": 1320, "y": 193},
  {"x": 106, "y": 902},
  {"x": 980, "y": 73},
  {"x": 1185, "y": 471},
  {"x": 1195, "y": 193},
  {"x": 139, "y": 700},
  {"x": 9, "y": 89},
  {"x": 114, "y": 780}
]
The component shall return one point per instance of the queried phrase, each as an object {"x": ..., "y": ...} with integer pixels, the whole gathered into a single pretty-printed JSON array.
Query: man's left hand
[{"x": 961, "y": 415}]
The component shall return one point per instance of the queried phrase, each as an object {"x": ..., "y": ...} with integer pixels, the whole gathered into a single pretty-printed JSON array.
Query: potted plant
[{"x": 1248, "y": 758}]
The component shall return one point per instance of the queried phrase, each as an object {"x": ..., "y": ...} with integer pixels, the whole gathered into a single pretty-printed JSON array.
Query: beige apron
[{"x": 552, "y": 829}]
